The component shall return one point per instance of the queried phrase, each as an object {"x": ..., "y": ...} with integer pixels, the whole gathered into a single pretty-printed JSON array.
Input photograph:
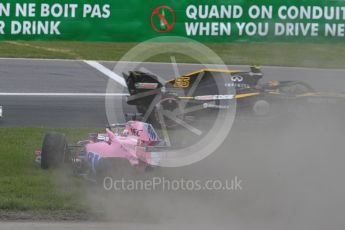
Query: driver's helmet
[{"x": 125, "y": 133}]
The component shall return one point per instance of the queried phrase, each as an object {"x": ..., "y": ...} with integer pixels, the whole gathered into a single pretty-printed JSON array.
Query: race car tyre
[
  {"x": 261, "y": 108},
  {"x": 169, "y": 104},
  {"x": 54, "y": 150}
]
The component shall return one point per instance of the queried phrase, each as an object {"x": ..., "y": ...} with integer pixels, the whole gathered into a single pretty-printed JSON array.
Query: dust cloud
[
  {"x": 291, "y": 169},
  {"x": 291, "y": 165}
]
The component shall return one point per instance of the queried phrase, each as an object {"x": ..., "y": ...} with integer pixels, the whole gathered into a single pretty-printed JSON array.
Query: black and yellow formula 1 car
[{"x": 215, "y": 89}]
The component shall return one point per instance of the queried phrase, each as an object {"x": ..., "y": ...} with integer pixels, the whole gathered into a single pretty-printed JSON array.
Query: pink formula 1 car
[{"x": 103, "y": 154}]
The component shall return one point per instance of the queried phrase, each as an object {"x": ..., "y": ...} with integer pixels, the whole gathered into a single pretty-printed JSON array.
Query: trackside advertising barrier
[{"x": 202, "y": 20}]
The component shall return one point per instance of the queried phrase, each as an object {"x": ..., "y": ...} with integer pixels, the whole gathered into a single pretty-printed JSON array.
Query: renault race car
[
  {"x": 203, "y": 87},
  {"x": 103, "y": 154},
  {"x": 201, "y": 90}
]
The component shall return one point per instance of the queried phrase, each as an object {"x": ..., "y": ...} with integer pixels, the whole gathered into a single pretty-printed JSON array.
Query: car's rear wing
[{"x": 139, "y": 82}]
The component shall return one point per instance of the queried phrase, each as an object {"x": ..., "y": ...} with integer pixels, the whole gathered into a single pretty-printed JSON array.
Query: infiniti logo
[{"x": 237, "y": 78}]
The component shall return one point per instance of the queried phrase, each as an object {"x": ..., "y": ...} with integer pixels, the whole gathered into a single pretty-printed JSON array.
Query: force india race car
[
  {"x": 103, "y": 154},
  {"x": 149, "y": 94}
]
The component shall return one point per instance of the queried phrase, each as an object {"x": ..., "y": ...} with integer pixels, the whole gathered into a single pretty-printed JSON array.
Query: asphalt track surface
[
  {"x": 292, "y": 174},
  {"x": 58, "y": 76}
]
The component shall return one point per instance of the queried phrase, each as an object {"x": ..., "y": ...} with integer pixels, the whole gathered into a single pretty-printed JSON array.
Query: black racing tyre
[
  {"x": 170, "y": 104},
  {"x": 54, "y": 150}
]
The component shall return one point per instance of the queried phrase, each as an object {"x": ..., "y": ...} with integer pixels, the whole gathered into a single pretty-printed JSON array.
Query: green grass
[
  {"x": 277, "y": 54},
  {"x": 24, "y": 185}
]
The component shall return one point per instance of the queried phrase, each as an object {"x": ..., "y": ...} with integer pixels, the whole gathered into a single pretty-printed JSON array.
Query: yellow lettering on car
[{"x": 181, "y": 82}]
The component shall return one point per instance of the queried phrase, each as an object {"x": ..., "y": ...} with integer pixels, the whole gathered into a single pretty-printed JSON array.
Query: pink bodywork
[{"x": 129, "y": 144}]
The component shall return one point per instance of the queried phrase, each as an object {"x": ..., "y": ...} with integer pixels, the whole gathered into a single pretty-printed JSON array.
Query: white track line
[
  {"x": 107, "y": 72},
  {"x": 65, "y": 94}
]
